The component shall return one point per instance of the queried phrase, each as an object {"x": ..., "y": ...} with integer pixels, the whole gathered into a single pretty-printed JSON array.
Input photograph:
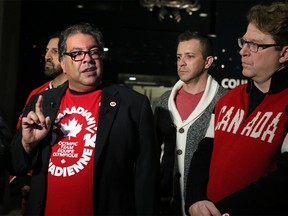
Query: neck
[
  {"x": 196, "y": 86},
  {"x": 59, "y": 80},
  {"x": 264, "y": 86},
  {"x": 84, "y": 88}
]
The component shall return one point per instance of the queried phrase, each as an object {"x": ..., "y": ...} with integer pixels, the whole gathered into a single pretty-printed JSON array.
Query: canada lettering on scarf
[{"x": 263, "y": 125}]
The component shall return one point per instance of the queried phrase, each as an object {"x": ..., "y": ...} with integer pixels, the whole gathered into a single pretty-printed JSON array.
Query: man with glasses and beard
[{"x": 90, "y": 144}]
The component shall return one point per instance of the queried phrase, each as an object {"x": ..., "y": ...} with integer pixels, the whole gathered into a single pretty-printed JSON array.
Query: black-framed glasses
[
  {"x": 254, "y": 47},
  {"x": 95, "y": 53}
]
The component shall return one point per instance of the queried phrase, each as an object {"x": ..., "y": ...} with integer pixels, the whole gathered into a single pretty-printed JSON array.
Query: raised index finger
[
  {"x": 39, "y": 105},
  {"x": 39, "y": 111}
]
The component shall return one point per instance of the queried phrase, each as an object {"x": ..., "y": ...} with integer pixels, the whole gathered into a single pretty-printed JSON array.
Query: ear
[
  {"x": 209, "y": 61},
  {"x": 63, "y": 66},
  {"x": 284, "y": 55}
]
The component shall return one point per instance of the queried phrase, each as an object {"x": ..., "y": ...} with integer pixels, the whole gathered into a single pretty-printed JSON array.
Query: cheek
[
  {"x": 71, "y": 70},
  {"x": 55, "y": 61},
  {"x": 195, "y": 65},
  {"x": 262, "y": 63},
  {"x": 99, "y": 64}
]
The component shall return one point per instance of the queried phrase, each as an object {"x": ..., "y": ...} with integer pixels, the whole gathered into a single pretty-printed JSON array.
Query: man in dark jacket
[
  {"x": 75, "y": 173},
  {"x": 5, "y": 139}
]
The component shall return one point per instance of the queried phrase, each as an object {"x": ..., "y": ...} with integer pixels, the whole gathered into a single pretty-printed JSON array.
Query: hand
[
  {"x": 25, "y": 190},
  {"x": 35, "y": 126},
  {"x": 203, "y": 208}
]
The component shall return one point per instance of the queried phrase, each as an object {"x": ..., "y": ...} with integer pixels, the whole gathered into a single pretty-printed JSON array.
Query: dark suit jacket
[{"x": 125, "y": 163}]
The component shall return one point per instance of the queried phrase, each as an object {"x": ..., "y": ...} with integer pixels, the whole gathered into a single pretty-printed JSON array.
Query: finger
[
  {"x": 213, "y": 210},
  {"x": 39, "y": 104},
  {"x": 31, "y": 118},
  {"x": 39, "y": 111}
]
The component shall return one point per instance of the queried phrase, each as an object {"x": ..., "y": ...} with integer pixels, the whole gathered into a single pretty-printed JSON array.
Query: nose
[
  {"x": 48, "y": 55},
  {"x": 181, "y": 61},
  {"x": 244, "y": 50},
  {"x": 87, "y": 57}
]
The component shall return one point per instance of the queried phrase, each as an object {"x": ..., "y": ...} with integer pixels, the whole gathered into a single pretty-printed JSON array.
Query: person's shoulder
[
  {"x": 123, "y": 90},
  {"x": 36, "y": 91},
  {"x": 165, "y": 95},
  {"x": 238, "y": 90},
  {"x": 52, "y": 93},
  {"x": 222, "y": 91},
  {"x": 163, "y": 99},
  {"x": 39, "y": 89}
]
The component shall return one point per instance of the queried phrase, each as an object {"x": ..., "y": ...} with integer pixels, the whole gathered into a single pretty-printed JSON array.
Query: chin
[
  {"x": 246, "y": 72},
  {"x": 247, "y": 75}
]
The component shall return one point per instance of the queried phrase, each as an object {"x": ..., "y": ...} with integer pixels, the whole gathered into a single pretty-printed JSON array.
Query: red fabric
[
  {"x": 70, "y": 173},
  {"x": 245, "y": 147},
  {"x": 33, "y": 92},
  {"x": 37, "y": 90},
  {"x": 186, "y": 102}
]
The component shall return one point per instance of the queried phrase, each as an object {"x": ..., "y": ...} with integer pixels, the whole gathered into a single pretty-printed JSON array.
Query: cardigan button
[
  {"x": 178, "y": 175},
  {"x": 181, "y": 130},
  {"x": 179, "y": 152}
]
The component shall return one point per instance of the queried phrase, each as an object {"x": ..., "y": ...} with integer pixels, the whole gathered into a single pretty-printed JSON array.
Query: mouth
[
  {"x": 48, "y": 64},
  {"x": 90, "y": 69},
  {"x": 244, "y": 64}
]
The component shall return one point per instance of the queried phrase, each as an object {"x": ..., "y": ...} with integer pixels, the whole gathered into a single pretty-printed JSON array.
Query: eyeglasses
[
  {"x": 80, "y": 55},
  {"x": 254, "y": 47}
]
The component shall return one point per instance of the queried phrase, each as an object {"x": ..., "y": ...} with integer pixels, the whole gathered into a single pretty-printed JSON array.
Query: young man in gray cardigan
[{"x": 182, "y": 116}]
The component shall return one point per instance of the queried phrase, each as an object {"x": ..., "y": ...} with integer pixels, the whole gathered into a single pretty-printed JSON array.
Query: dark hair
[
  {"x": 206, "y": 44},
  {"x": 271, "y": 19},
  {"x": 84, "y": 28},
  {"x": 54, "y": 35}
]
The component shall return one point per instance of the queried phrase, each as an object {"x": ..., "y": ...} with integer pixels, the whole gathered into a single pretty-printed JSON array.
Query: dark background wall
[{"x": 138, "y": 42}]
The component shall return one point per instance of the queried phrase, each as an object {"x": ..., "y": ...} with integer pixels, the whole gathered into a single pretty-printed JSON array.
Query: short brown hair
[
  {"x": 271, "y": 19},
  {"x": 205, "y": 42}
]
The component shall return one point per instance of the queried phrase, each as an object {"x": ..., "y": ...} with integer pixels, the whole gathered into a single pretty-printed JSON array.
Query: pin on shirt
[{"x": 112, "y": 103}]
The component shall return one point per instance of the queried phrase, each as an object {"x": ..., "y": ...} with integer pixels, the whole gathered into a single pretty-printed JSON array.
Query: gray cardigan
[{"x": 166, "y": 134}]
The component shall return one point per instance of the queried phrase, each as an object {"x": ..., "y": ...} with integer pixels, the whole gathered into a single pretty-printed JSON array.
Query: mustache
[{"x": 49, "y": 61}]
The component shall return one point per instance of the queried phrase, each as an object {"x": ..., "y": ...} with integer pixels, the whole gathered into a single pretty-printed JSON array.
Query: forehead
[
  {"x": 53, "y": 42},
  {"x": 253, "y": 33},
  {"x": 192, "y": 45},
  {"x": 80, "y": 41}
]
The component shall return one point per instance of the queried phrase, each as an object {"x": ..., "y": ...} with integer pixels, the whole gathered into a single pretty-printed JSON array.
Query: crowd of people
[{"x": 84, "y": 146}]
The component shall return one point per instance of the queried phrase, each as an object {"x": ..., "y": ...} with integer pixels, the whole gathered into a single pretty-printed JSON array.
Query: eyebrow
[
  {"x": 81, "y": 49},
  {"x": 258, "y": 41}
]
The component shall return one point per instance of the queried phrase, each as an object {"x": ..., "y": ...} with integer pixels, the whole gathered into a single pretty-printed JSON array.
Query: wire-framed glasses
[
  {"x": 254, "y": 47},
  {"x": 94, "y": 53}
]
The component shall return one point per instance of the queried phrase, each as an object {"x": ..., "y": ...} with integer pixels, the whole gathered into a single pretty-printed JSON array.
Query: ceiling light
[{"x": 172, "y": 8}]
